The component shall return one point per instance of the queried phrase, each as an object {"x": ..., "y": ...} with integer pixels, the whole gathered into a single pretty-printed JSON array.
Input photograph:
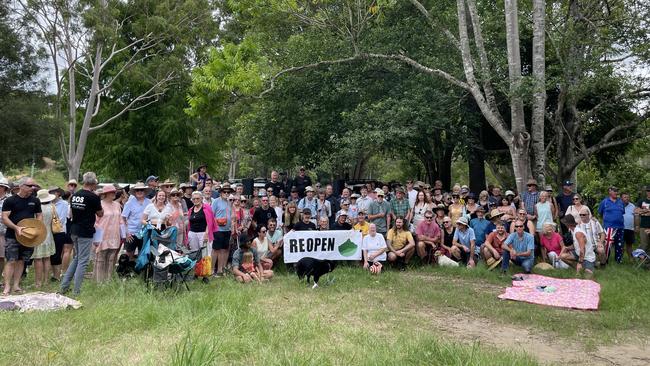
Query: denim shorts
[
  {"x": 15, "y": 251},
  {"x": 585, "y": 264}
]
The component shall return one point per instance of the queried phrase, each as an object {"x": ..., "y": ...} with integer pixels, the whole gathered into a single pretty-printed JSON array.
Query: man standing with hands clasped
[{"x": 85, "y": 206}]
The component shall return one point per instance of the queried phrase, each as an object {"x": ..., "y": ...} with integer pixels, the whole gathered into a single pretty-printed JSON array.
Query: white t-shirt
[
  {"x": 262, "y": 246},
  {"x": 413, "y": 196},
  {"x": 590, "y": 256},
  {"x": 373, "y": 244},
  {"x": 279, "y": 214},
  {"x": 157, "y": 216}
]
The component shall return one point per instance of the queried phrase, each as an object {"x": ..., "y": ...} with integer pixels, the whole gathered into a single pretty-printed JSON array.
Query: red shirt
[
  {"x": 496, "y": 243},
  {"x": 431, "y": 230},
  {"x": 552, "y": 244}
]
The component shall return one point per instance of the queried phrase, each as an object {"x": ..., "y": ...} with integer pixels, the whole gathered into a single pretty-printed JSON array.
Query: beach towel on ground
[{"x": 559, "y": 292}]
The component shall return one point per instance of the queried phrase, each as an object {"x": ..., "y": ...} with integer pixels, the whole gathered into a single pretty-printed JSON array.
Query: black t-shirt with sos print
[{"x": 84, "y": 205}]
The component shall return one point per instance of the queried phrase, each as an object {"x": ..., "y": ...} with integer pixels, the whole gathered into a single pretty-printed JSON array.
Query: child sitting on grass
[{"x": 248, "y": 267}]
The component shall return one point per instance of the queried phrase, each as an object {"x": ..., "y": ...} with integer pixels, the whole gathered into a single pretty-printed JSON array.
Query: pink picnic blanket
[{"x": 567, "y": 293}]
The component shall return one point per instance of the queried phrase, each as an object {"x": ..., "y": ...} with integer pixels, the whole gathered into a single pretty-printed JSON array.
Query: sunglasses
[
  {"x": 576, "y": 199},
  {"x": 30, "y": 185},
  {"x": 243, "y": 201},
  {"x": 446, "y": 222},
  {"x": 175, "y": 195},
  {"x": 428, "y": 217},
  {"x": 230, "y": 200},
  {"x": 584, "y": 214},
  {"x": 263, "y": 231},
  {"x": 518, "y": 226}
]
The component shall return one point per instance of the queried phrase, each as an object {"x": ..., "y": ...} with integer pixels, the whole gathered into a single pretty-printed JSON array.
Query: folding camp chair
[{"x": 642, "y": 258}]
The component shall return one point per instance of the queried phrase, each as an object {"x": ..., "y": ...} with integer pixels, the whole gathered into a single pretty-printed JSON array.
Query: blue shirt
[
  {"x": 523, "y": 244},
  {"x": 132, "y": 212},
  {"x": 530, "y": 200},
  {"x": 221, "y": 209},
  {"x": 628, "y": 217},
  {"x": 466, "y": 237},
  {"x": 480, "y": 227},
  {"x": 612, "y": 213},
  {"x": 62, "y": 208}
]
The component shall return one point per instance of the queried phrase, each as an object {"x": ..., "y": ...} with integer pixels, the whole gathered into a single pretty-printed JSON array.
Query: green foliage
[
  {"x": 629, "y": 172},
  {"x": 192, "y": 351}
]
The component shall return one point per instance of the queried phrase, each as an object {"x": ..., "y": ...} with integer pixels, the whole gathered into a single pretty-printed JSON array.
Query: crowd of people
[{"x": 93, "y": 222}]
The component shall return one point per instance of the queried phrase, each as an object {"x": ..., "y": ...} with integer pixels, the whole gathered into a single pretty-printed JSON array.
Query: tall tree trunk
[
  {"x": 444, "y": 168},
  {"x": 539, "y": 94},
  {"x": 521, "y": 138},
  {"x": 476, "y": 165}
]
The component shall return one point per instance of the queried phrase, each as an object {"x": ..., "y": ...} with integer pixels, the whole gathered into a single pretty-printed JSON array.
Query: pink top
[
  {"x": 110, "y": 226},
  {"x": 552, "y": 244}
]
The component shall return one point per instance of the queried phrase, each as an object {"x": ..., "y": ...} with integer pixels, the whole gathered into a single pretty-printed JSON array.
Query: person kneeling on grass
[
  {"x": 464, "y": 242},
  {"x": 401, "y": 245},
  {"x": 519, "y": 248},
  {"x": 582, "y": 250},
  {"x": 238, "y": 259}
]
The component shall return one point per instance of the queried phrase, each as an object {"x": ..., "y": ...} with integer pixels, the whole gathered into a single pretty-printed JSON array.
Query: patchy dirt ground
[{"x": 546, "y": 348}]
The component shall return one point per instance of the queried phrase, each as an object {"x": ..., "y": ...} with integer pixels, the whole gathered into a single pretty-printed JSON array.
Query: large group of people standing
[{"x": 244, "y": 233}]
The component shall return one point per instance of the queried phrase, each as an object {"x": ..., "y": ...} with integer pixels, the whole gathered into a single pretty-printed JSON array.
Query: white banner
[{"x": 332, "y": 245}]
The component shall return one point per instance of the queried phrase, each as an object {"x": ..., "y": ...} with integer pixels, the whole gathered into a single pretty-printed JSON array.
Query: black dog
[
  {"x": 312, "y": 267},
  {"x": 125, "y": 267}
]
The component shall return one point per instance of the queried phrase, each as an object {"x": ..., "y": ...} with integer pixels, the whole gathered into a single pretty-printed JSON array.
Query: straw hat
[
  {"x": 33, "y": 232},
  {"x": 532, "y": 182},
  {"x": 168, "y": 182},
  {"x": 138, "y": 186},
  {"x": 543, "y": 266},
  {"x": 225, "y": 187},
  {"x": 45, "y": 196},
  {"x": 463, "y": 221},
  {"x": 495, "y": 213},
  {"x": 493, "y": 263}
]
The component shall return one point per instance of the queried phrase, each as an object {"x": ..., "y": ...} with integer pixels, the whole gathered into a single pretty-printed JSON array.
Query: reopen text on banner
[{"x": 332, "y": 245}]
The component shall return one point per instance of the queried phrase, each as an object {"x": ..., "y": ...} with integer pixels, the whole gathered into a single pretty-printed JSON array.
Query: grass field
[{"x": 427, "y": 316}]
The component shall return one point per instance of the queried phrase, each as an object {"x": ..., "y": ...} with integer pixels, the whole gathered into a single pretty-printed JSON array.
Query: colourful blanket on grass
[{"x": 565, "y": 293}]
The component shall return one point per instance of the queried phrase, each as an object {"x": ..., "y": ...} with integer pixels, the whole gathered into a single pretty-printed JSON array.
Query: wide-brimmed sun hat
[
  {"x": 45, "y": 196},
  {"x": 33, "y": 232}
]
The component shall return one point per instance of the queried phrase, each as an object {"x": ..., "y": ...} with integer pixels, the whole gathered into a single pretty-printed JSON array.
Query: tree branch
[
  {"x": 149, "y": 94},
  {"x": 364, "y": 56},
  {"x": 432, "y": 23}
]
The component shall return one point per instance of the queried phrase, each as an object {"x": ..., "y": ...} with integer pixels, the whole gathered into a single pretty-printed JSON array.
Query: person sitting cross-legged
[
  {"x": 401, "y": 245},
  {"x": 519, "y": 248},
  {"x": 237, "y": 258}
]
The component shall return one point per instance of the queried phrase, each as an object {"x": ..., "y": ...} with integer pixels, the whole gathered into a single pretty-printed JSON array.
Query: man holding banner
[{"x": 401, "y": 245}]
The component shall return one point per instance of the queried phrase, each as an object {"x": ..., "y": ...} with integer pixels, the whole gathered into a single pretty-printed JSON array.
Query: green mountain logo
[{"x": 348, "y": 248}]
